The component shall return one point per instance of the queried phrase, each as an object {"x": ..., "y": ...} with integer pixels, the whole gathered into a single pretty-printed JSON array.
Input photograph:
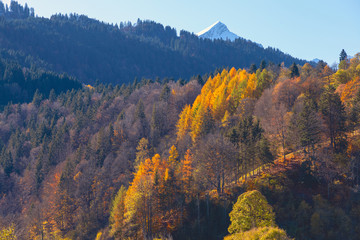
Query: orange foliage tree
[
  {"x": 154, "y": 201},
  {"x": 220, "y": 96}
]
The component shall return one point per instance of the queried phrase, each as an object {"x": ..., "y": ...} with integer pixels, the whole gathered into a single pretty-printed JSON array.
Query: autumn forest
[{"x": 264, "y": 151}]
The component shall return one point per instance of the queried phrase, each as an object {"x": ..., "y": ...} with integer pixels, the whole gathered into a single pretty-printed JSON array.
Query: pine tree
[
  {"x": 140, "y": 116},
  {"x": 263, "y": 65},
  {"x": 294, "y": 71},
  {"x": 333, "y": 112},
  {"x": 165, "y": 93},
  {"x": 309, "y": 125},
  {"x": 343, "y": 56},
  {"x": 139, "y": 112},
  {"x": 100, "y": 148},
  {"x": 7, "y": 162},
  {"x": 52, "y": 95},
  {"x": 37, "y": 98},
  {"x": 252, "y": 68},
  {"x": 155, "y": 130}
]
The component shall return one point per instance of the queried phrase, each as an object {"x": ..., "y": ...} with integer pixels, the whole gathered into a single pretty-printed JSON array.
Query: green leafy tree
[{"x": 251, "y": 211}]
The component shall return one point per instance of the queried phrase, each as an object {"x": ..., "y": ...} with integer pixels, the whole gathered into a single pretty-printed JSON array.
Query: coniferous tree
[
  {"x": 294, "y": 71},
  {"x": 139, "y": 112},
  {"x": 165, "y": 93},
  {"x": 155, "y": 130},
  {"x": 343, "y": 56},
  {"x": 100, "y": 148},
  {"x": 7, "y": 162},
  {"x": 334, "y": 114},
  {"x": 37, "y": 98},
  {"x": 263, "y": 65},
  {"x": 52, "y": 95},
  {"x": 253, "y": 68},
  {"x": 309, "y": 125},
  {"x": 253, "y": 147}
]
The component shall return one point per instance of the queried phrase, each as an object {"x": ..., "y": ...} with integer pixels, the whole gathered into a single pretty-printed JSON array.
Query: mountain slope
[
  {"x": 91, "y": 50},
  {"x": 217, "y": 31}
]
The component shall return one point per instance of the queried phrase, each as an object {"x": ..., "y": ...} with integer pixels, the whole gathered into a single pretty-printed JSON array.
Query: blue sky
[{"x": 305, "y": 29}]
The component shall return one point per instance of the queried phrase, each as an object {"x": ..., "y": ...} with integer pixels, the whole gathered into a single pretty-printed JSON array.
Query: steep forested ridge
[
  {"x": 169, "y": 160},
  {"x": 91, "y": 50}
]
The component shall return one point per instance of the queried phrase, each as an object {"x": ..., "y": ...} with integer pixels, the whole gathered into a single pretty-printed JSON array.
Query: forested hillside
[
  {"x": 18, "y": 84},
  {"x": 170, "y": 160},
  {"x": 171, "y": 137},
  {"x": 91, "y": 50}
]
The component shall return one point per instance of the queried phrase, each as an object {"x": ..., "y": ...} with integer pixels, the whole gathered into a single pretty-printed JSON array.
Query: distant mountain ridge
[
  {"x": 217, "y": 31},
  {"x": 91, "y": 50}
]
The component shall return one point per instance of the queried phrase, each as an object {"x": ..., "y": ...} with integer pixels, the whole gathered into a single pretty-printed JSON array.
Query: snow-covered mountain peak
[{"x": 217, "y": 31}]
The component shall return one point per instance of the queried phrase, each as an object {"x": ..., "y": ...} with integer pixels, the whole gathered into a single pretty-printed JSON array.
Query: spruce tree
[
  {"x": 253, "y": 68},
  {"x": 343, "y": 55},
  {"x": 334, "y": 114},
  {"x": 155, "y": 127},
  {"x": 263, "y": 65},
  {"x": 294, "y": 71},
  {"x": 309, "y": 125},
  {"x": 165, "y": 93},
  {"x": 37, "y": 98},
  {"x": 7, "y": 162},
  {"x": 139, "y": 112}
]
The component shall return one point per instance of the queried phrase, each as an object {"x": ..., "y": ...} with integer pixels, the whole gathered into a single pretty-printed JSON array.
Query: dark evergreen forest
[{"x": 91, "y": 50}]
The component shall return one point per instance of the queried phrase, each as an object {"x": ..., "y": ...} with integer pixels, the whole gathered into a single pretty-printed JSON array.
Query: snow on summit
[{"x": 217, "y": 31}]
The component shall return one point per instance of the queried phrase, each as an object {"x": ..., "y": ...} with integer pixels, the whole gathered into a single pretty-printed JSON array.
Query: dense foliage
[
  {"x": 91, "y": 50},
  {"x": 130, "y": 162},
  {"x": 259, "y": 153},
  {"x": 251, "y": 211},
  {"x": 18, "y": 85}
]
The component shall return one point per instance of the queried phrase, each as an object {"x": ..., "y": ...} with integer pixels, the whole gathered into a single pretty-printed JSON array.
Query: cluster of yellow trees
[
  {"x": 347, "y": 79},
  {"x": 220, "y": 98},
  {"x": 155, "y": 201}
]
